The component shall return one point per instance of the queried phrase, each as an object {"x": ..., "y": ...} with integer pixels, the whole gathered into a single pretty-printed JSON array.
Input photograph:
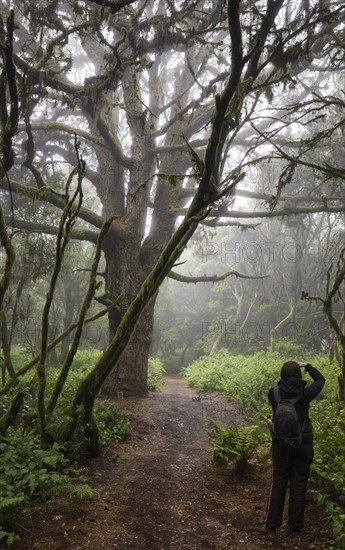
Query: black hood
[{"x": 292, "y": 385}]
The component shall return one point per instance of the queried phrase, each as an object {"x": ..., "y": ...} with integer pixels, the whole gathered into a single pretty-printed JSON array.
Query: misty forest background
[{"x": 172, "y": 197}]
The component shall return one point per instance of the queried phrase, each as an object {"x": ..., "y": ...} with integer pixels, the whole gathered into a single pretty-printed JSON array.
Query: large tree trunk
[
  {"x": 124, "y": 275},
  {"x": 131, "y": 372},
  {"x": 129, "y": 252}
]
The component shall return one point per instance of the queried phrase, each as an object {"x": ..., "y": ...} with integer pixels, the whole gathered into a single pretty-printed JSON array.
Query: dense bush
[
  {"x": 155, "y": 374},
  {"x": 243, "y": 378},
  {"x": 328, "y": 470},
  {"x": 247, "y": 380},
  {"x": 28, "y": 472}
]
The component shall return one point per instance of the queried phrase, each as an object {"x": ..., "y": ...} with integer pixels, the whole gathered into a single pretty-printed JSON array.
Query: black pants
[{"x": 289, "y": 466}]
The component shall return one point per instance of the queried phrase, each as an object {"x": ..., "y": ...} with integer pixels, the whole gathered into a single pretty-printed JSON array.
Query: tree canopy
[{"x": 130, "y": 124}]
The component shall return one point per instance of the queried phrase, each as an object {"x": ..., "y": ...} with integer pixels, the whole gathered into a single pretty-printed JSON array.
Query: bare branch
[
  {"x": 52, "y": 125},
  {"x": 212, "y": 278}
]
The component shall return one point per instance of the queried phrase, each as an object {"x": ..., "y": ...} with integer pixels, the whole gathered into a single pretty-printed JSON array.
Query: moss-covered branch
[
  {"x": 76, "y": 233},
  {"x": 281, "y": 323},
  {"x": 58, "y": 40},
  {"x": 285, "y": 211},
  {"x": 331, "y": 291},
  {"x": 6, "y": 346},
  {"x": 47, "y": 79},
  {"x": 6, "y": 243},
  {"x": 47, "y": 194},
  {"x": 108, "y": 141},
  {"x": 67, "y": 221},
  {"x": 57, "y": 126},
  {"x": 26, "y": 368},
  {"x": 9, "y": 119},
  {"x": 228, "y": 223},
  {"x": 8, "y": 418},
  {"x": 325, "y": 168},
  {"x": 93, "y": 285}
]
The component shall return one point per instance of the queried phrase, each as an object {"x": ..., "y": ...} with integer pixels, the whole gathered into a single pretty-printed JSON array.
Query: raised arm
[{"x": 318, "y": 382}]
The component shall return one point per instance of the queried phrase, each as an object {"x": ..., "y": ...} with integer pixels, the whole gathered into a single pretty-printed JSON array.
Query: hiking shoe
[
  {"x": 268, "y": 531},
  {"x": 295, "y": 534}
]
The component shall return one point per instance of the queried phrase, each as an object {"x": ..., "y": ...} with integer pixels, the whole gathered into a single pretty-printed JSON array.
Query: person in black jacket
[{"x": 292, "y": 465}]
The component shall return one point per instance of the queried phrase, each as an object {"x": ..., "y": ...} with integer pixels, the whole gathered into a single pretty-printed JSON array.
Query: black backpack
[{"x": 287, "y": 427}]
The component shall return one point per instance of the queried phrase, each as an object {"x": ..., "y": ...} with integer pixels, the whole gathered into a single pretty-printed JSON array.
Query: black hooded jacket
[{"x": 293, "y": 387}]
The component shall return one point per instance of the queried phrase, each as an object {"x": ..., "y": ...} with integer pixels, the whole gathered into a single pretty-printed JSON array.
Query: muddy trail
[{"x": 159, "y": 490}]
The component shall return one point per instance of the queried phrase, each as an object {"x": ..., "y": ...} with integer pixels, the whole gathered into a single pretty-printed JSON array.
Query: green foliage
[
  {"x": 234, "y": 444},
  {"x": 9, "y": 537},
  {"x": 289, "y": 348},
  {"x": 328, "y": 468},
  {"x": 27, "y": 472},
  {"x": 112, "y": 423},
  {"x": 85, "y": 358},
  {"x": 20, "y": 356},
  {"x": 242, "y": 378},
  {"x": 155, "y": 374},
  {"x": 247, "y": 380},
  {"x": 81, "y": 492}
]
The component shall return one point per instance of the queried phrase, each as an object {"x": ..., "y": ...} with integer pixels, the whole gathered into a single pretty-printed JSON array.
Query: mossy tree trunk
[
  {"x": 6, "y": 243},
  {"x": 130, "y": 249}
]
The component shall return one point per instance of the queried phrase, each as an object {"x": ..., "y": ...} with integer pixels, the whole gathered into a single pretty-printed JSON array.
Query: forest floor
[{"x": 158, "y": 490}]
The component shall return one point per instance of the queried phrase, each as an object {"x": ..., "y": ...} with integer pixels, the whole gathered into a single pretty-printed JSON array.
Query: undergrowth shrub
[
  {"x": 155, "y": 374},
  {"x": 112, "y": 423},
  {"x": 20, "y": 356},
  {"x": 235, "y": 445},
  {"x": 242, "y": 378},
  {"x": 289, "y": 348},
  {"x": 85, "y": 358},
  {"x": 328, "y": 468},
  {"x": 28, "y": 472}
]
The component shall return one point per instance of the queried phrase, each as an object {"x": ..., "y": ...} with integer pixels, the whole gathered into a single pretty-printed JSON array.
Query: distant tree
[{"x": 335, "y": 292}]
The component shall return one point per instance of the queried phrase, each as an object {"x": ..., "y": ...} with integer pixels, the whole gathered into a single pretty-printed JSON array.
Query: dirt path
[{"x": 159, "y": 490}]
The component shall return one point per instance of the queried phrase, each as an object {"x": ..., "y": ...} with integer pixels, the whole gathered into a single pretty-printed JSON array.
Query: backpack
[{"x": 287, "y": 427}]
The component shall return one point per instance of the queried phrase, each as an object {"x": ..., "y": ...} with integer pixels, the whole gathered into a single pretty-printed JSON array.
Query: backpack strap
[
  {"x": 277, "y": 396},
  {"x": 276, "y": 393}
]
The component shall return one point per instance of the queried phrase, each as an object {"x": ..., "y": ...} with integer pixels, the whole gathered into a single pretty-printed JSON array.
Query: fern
[
  {"x": 235, "y": 445},
  {"x": 81, "y": 492},
  {"x": 12, "y": 502},
  {"x": 8, "y": 536}
]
